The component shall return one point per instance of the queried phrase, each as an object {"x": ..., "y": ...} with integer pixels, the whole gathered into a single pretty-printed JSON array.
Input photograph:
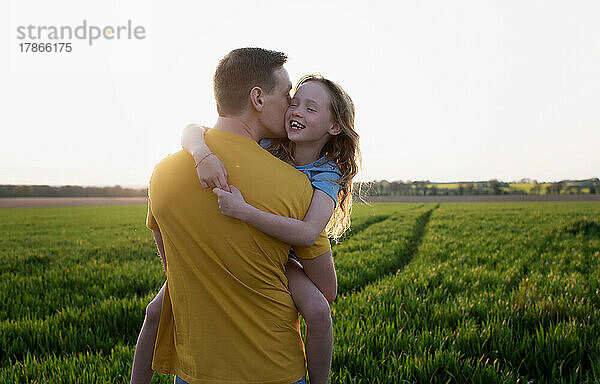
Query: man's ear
[
  {"x": 257, "y": 98},
  {"x": 335, "y": 129}
]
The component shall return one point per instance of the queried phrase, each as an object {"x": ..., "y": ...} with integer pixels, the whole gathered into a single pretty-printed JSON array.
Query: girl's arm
[
  {"x": 192, "y": 140},
  {"x": 302, "y": 233},
  {"x": 211, "y": 172}
]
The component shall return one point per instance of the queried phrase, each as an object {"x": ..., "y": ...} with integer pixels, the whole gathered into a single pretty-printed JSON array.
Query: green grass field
[{"x": 428, "y": 293}]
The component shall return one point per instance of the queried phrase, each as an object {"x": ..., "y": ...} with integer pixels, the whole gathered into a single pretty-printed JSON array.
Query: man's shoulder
[
  {"x": 233, "y": 148},
  {"x": 172, "y": 159},
  {"x": 284, "y": 171},
  {"x": 169, "y": 164}
]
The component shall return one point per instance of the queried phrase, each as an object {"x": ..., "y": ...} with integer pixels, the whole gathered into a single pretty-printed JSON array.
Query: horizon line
[{"x": 145, "y": 186}]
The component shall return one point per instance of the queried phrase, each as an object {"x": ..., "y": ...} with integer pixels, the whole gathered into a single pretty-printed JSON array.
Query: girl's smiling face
[{"x": 309, "y": 117}]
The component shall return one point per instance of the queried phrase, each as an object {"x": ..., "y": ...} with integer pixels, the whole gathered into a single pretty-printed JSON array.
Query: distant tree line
[
  {"x": 372, "y": 188},
  {"x": 490, "y": 187},
  {"x": 69, "y": 191}
]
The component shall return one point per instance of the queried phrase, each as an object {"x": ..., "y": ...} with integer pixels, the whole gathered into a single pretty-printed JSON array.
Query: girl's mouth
[{"x": 296, "y": 126}]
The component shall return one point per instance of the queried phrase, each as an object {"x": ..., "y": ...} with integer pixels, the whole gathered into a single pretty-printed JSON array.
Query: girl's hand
[
  {"x": 212, "y": 173},
  {"x": 232, "y": 203}
]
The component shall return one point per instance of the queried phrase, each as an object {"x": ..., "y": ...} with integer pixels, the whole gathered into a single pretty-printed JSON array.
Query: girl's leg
[
  {"x": 313, "y": 306},
  {"x": 141, "y": 371}
]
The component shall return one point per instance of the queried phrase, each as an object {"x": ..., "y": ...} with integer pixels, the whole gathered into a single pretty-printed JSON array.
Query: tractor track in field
[
  {"x": 363, "y": 226},
  {"x": 373, "y": 220},
  {"x": 403, "y": 254}
]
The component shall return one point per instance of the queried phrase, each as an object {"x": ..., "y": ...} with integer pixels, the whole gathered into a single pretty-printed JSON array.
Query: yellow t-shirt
[{"x": 227, "y": 314}]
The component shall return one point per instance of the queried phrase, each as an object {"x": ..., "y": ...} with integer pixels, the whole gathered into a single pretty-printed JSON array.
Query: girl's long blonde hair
[{"x": 343, "y": 149}]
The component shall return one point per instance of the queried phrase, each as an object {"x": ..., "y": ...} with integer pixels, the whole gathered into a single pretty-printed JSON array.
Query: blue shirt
[{"x": 323, "y": 174}]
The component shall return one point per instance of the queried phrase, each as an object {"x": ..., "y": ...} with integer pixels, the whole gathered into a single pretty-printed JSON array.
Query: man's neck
[{"x": 240, "y": 126}]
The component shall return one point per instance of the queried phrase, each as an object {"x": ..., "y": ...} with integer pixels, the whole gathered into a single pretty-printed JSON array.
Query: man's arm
[
  {"x": 161, "y": 247},
  {"x": 322, "y": 272}
]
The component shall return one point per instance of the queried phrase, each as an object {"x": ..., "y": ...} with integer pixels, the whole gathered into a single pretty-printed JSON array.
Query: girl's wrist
[
  {"x": 200, "y": 153},
  {"x": 247, "y": 213},
  {"x": 201, "y": 159}
]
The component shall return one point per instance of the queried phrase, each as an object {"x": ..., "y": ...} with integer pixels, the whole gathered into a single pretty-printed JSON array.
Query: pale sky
[{"x": 444, "y": 90}]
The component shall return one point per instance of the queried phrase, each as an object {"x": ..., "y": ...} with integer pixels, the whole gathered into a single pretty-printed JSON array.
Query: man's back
[{"x": 227, "y": 314}]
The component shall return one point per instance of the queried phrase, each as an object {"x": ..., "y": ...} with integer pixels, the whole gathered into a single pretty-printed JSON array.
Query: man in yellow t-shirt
[{"x": 227, "y": 314}]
